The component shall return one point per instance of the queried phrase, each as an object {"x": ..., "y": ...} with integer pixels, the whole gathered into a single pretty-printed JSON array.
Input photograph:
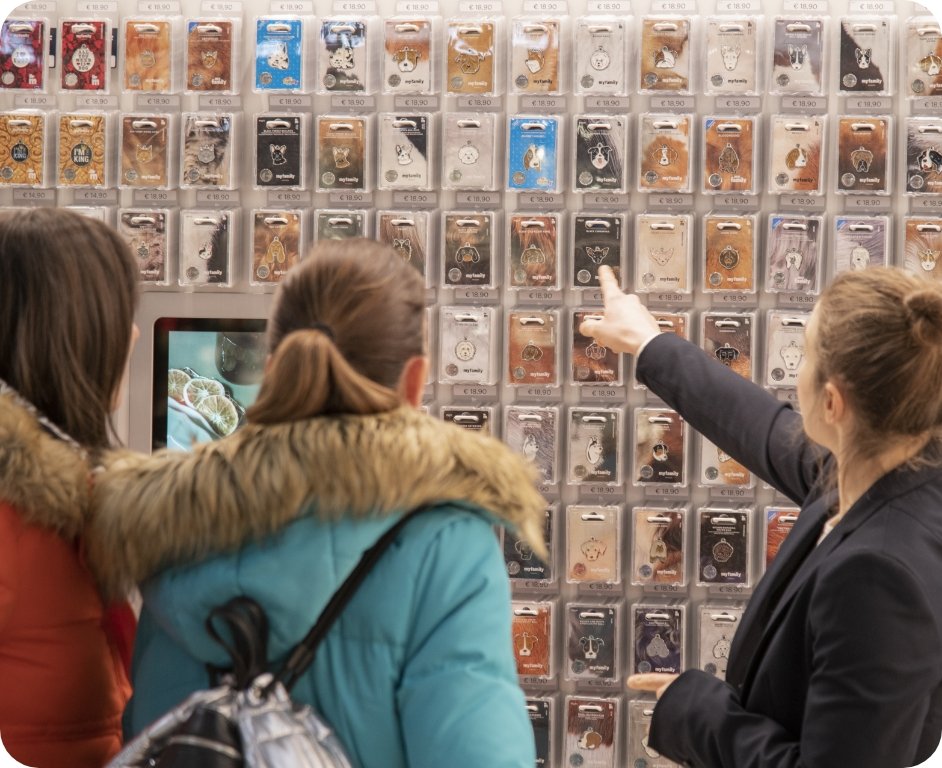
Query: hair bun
[{"x": 924, "y": 310}]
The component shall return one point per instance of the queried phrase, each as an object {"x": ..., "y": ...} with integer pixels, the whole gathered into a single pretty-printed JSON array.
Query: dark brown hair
[
  {"x": 68, "y": 291},
  {"x": 345, "y": 321},
  {"x": 879, "y": 334}
]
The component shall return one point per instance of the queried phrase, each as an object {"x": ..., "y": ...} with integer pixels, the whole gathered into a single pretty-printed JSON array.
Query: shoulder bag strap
[{"x": 303, "y": 654}]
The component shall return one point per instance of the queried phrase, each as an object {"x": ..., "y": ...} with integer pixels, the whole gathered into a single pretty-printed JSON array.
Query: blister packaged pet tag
[
  {"x": 794, "y": 254},
  {"x": 145, "y": 156},
  {"x": 779, "y": 522},
  {"x": 723, "y": 547},
  {"x": 717, "y": 625},
  {"x": 796, "y": 155},
  {"x": 210, "y": 46},
  {"x": 404, "y": 151},
  {"x": 720, "y": 470},
  {"x": 470, "y": 57},
  {"x": 657, "y": 553},
  {"x": 533, "y": 432},
  {"x": 467, "y": 338},
  {"x": 541, "y": 716},
  {"x": 594, "y": 446},
  {"x": 532, "y": 631},
  {"x": 22, "y": 54},
  {"x": 861, "y": 242},
  {"x": 83, "y": 150},
  {"x": 84, "y": 55},
  {"x": 662, "y": 256},
  {"x": 866, "y": 64},
  {"x": 344, "y": 56},
  {"x": 146, "y": 233},
  {"x": 535, "y": 58},
  {"x": 407, "y": 56},
  {"x": 785, "y": 347},
  {"x": 597, "y": 241},
  {"x": 591, "y": 362},
  {"x": 665, "y": 158},
  {"x": 205, "y": 247},
  {"x": 522, "y": 563},
  {"x": 657, "y": 638},
  {"x": 601, "y": 144},
  {"x": 863, "y": 155},
  {"x": 660, "y": 448},
  {"x": 729, "y": 151},
  {"x": 599, "y": 52},
  {"x": 665, "y": 54},
  {"x": 731, "y": 55},
  {"x": 468, "y": 151},
  {"x": 407, "y": 233},
  {"x": 148, "y": 55},
  {"x": 533, "y": 249},
  {"x": 279, "y": 151},
  {"x": 593, "y": 543},
  {"x": 276, "y": 245},
  {"x": 729, "y": 338},
  {"x": 469, "y": 252},
  {"x": 532, "y": 348},
  {"x": 924, "y": 156},
  {"x": 341, "y": 153},
  {"x": 639, "y": 752},
  {"x": 729, "y": 251},
  {"x": 922, "y": 247},
  {"x": 339, "y": 224},
  {"x": 592, "y": 643},
  {"x": 22, "y": 149},
  {"x": 591, "y": 730},
  {"x": 208, "y": 154},
  {"x": 923, "y": 46},
  {"x": 533, "y": 155},
  {"x": 798, "y": 56},
  {"x": 279, "y": 48},
  {"x": 472, "y": 419}
]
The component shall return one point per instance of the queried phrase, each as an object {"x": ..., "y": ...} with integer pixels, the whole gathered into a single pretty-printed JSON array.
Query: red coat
[{"x": 62, "y": 683}]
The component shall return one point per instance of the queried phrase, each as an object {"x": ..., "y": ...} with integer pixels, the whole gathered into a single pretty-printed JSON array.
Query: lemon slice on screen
[
  {"x": 219, "y": 411},
  {"x": 177, "y": 380},
  {"x": 196, "y": 389}
]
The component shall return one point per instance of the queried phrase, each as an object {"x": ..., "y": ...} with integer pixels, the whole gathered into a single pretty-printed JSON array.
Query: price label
[
  {"x": 543, "y": 104},
  {"x": 367, "y": 103},
  {"x": 96, "y": 101},
  {"x": 209, "y": 102},
  {"x": 546, "y": 6},
  {"x": 475, "y": 390},
  {"x": 616, "y": 7},
  {"x": 871, "y": 6},
  {"x": 672, "y": 6},
  {"x": 425, "y": 103},
  {"x": 806, "y": 6},
  {"x": 671, "y": 201},
  {"x": 151, "y": 196},
  {"x": 427, "y": 7},
  {"x": 342, "y": 199},
  {"x": 355, "y": 6},
  {"x": 928, "y": 204},
  {"x": 603, "y": 200},
  {"x": 674, "y": 103},
  {"x": 608, "y": 103},
  {"x": 157, "y": 101},
  {"x": 96, "y": 196},
  {"x": 300, "y": 7},
  {"x": 217, "y": 196},
  {"x": 802, "y": 202},
  {"x": 416, "y": 199},
  {"x": 483, "y": 7},
  {"x": 171, "y": 7},
  {"x": 288, "y": 197},
  {"x": 37, "y": 7},
  {"x": 33, "y": 100},
  {"x": 739, "y": 103},
  {"x": 928, "y": 106},
  {"x": 861, "y": 203},
  {"x": 464, "y": 295},
  {"x": 478, "y": 199},
  {"x": 230, "y": 7},
  {"x": 479, "y": 103},
  {"x": 804, "y": 104},
  {"x": 97, "y": 6},
  {"x": 291, "y": 101},
  {"x": 738, "y": 6},
  {"x": 35, "y": 196}
]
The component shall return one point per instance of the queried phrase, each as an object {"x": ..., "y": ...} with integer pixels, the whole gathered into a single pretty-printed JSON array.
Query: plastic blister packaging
[
  {"x": 716, "y": 626},
  {"x": 730, "y": 155},
  {"x": 724, "y": 547},
  {"x": 208, "y": 157},
  {"x": 533, "y": 628},
  {"x": 207, "y": 247},
  {"x": 592, "y": 736},
  {"x": 867, "y": 56},
  {"x": 533, "y": 251},
  {"x": 279, "y": 55},
  {"x": 923, "y": 156},
  {"x": 537, "y": 55},
  {"x": 212, "y": 55},
  {"x": 590, "y": 362},
  {"x": 406, "y": 151},
  {"x": 468, "y": 345},
  {"x": 147, "y": 144},
  {"x": 344, "y": 56},
  {"x": 594, "y": 446},
  {"x": 409, "y": 54},
  {"x": 593, "y": 644},
  {"x": 524, "y": 568},
  {"x": 340, "y": 224},
  {"x": 659, "y": 547},
  {"x": 922, "y": 246},
  {"x": 600, "y": 57},
  {"x": 778, "y": 522},
  {"x": 470, "y": 249},
  {"x": 732, "y": 43},
  {"x": 593, "y": 544},
  {"x": 785, "y": 347},
  {"x": 85, "y": 54},
  {"x": 797, "y": 154},
  {"x": 24, "y": 148},
  {"x": 277, "y": 238},
  {"x": 661, "y": 441},
  {"x": 409, "y": 234},
  {"x": 469, "y": 151},
  {"x": 23, "y": 54},
  {"x": 639, "y": 753},
  {"x": 864, "y": 155},
  {"x": 472, "y": 56},
  {"x": 533, "y": 154},
  {"x": 663, "y": 253},
  {"x": 860, "y": 242},
  {"x": 147, "y": 233},
  {"x": 665, "y": 153},
  {"x": 473, "y": 418},
  {"x": 798, "y": 55},
  {"x": 532, "y": 348},
  {"x": 281, "y": 149},
  {"x": 730, "y": 338},
  {"x": 729, "y": 251},
  {"x": 343, "y": 153},
  {"x": 600, "y": 160},
  {"x": 922, "y": 45},
  {"x": 85, "y": 142},
  {"x": 597, "y": 240},
  {"x": 666, "y": 54},
  {"x": 794, "y": 254},
  {"x": 542, "y": 714},
  {"x": 720, "y": 470},
  {"x": 658, "y": 637},
  {"x": 533, "y": 432},
  {"x": 150, "y": 54}
]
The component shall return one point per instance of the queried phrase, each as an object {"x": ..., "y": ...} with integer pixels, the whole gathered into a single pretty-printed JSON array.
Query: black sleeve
[{"x": 760, "y": 432}]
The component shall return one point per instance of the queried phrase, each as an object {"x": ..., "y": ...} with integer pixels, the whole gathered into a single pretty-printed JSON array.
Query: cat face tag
[
  {"x": 468, "y": 253},
  {"x": 209, "y": 55},
  {"x": 731, "y": 55},
  {"x": 728, "y": 155},
  {"x": 597, "y": 241},
  {"x": 863, "y": 155},
  {"x": 662, "y": 257},
  {"x": 82, "y": 150},
  {"x": 660, "y": 448},
  {"x": 860, "y": 242},
  {"x": 144, "y": 156},
  {"x": 341, "y": 150},
  {"x": 793, "y": 254},
  {"x": 145, "y": 231},
  {"x": 532, "y": 163},
  {"x": 533, "y": 251},
  {"x": 279, "y": 46},
  {"x": 729, "y": 243},
  {"x": 470, "y": 66},
  {"x": 796, "y": 155},
  {"x": 665, "y": 54},
  {"x": 207, "y": 151},
  {"x": 729, "y": 339},
  {"x": 22, "y": 59},
  {"x": 276, "y": 244},
  {"x": 866, "y": 62},
  {"x": 599, "y": 52},
  {"x": 923, "y": 46},
  {"x": 279, "y": 148},
  {"x": 665, "y": 163},
  {"x": 798, "y": 56},
  {"x": 468, "y": 151},
  {"x": 407, "y": 234},
  {"x": 205, "y": 247},
  {"x": 535, "y": 56},
  {"x": 922, "y": 249},
  {"x": 924, "y": 156},
  {"x": 83, "y": 55},
  {"x": 148, "y": 55},
  {"x": 404, "y": 151}
]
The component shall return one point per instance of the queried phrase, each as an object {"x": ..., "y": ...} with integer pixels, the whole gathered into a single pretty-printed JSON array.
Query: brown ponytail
[{"x": 345, "y": 322}]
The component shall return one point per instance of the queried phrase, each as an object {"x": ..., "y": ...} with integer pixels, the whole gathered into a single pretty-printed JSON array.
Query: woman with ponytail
[
  {"x": 419, "y": 671},
  {"x": 838, "y": 658}
]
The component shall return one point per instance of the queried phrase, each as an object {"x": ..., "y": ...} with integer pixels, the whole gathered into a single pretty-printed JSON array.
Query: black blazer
[{"x": 838, "y": 660}]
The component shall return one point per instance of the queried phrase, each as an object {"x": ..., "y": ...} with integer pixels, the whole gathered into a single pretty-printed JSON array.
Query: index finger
[{"x": 609, "y": 285}]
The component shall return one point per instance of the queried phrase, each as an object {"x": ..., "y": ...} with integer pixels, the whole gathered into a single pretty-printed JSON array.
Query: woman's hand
[
  {"x": 626, "y": 324},
  {"x": 652, "y": 681}
]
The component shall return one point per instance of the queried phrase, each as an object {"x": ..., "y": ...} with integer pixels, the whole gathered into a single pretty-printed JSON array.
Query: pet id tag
[
  {"x": 407, "y": 56},
  {"x": 657, "y": 639},
  {"x": 793, "y": 254},
  {"x": 924, "y": 156},
  {"x": 84, "y": 63},
  {"x": 796, "y": 155},
  {"x": 662, "y": 256},
  {"x": 343, "y": 56},
  {"x": 209, "y": 48},
  {"x": 467, "y": 342},
  {"x": 729, "y": 244},
  {"x": 535, "y": 58},
  {"x": 144, "y": 156},
  {"x": 923, "y": 47},
  {"x": 594, "y": 446},
  {"x": 533, "y": 154},
  {"x": 866, "y": 61},
  {"x": 798, "y": 56},
  {"x": 922, "y": 247},
  {"x": 591, "y": 643},
  {"x": 204, "y": 247},
  {"x": 532, "y": 633},
  {"x": 276, "y": 244},
  {"x": 340, "y": 224},
  {"x": 664, "y": 158},
  {"x": 592, "y": 544},
  {"x": 522, "y": 562},
  {"x": 534, "y": 433},
  {"x": 533, "y": 249},
  {"x": 728, "y": 155},
  {"x": 731, "y": 55},
  {"x": 468, "y": 253},
  {"x": 279, "y": 45},
  {"x": 660, "y": 448},
  {"x": 404, "y": 151},
  {"x": 471, "y": 50},
  {"x": 342, "y": 152},
  {"x": 82, "y": 150},
  {"x": 599, "y": 52},
  {"x": 278, "y": 151},
  {"x": 145, "y": 231},
  {"x": 591, "y": 362},
  {"x": 728, "y": 338},
  {"x": 468, "y": 150},
  {"x": 723, "y": 547},
  {"x": 590, "y": 732},
  {"x": 407, "y": 235},
  {"x": 532, "y": 347},
  {"x": 785, "y": 348},
  {"x": 860, "y": 242},
  {"x": 720, "y": 470},
  {"x": 207, "y": 151},
  {"x": 22, "y": 147},
  {"x": 863, "y": 155},
  {"x": 22, "y": 59},
  {"x": 718, "y": 625},
  {"x": 148, "y": 55},
  {"x": 600, "y": 154},
  {"x": 658, "y": 547},
  {"x": 597, "y": 241},
  {"x": 665, "y": 55}
]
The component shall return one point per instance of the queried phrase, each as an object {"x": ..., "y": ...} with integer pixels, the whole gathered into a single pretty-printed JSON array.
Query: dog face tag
[
  {"x": 590, "y": 732},
  {"x": 407, "y": 234},
  {"x": 591, "y": 362},
  {"x": 785, "y": 347},
  {"x": 662, "y": 257},
  {"x": 340, "y": 224},
  {"x": 532, "y": 162},
  {"x": 470, "y": 54},
  {"x": 597, "y": 241},
  {"x": 343, "y": 56},
  {"x": 657, "y": 555},
  {"x": 640, "y": 753},
  {"x": 660, "y": 448},
  {"x": 591, "y": 643},
  {"x": 22, "y": 54},
  {"x": 658, "y": 639},
  {"x": 532, "y": 348},
  {"x": 866, "y": 61},
  {"x": 148, "y": 55},
  {"x": 600, "y": 154},
  {"x": 731, "y": 55},
  {"x": 863, "y": 155},
  {"x": 467, "y": 344},
  {"x": 279, "y": 47},
  {"x": 729, "y": 244},
  {"x": 522, "y": 562},
  {"x": 720, "y": 470},
  {"x": 84, "y": 44},
  {"x": 665, "y": 153},
  {"x": 532, "y": 631},
  {"x": 923, "y": 47},
  {"x": 82, "y": 150},
  {"x": 924, "y": 156},
  {"x": 407, "y": 56},
  {"x": 145, "y": 231},
  {"x": 723, "y": 547},
  {"x": 922, "y": 249},
  {"x": 798, "y": 56},
  {"x": 468, "y": 253},
  {"x": 468, "y": 151},
  {"x": 717, "y": 625},
  {"x": 341, "y": 153},
  {"x": 535, "y": 56},
  {"x": 860, "y": 242},
  {"x": 793, "y": 254},
  {"x": 144, "y": 156},
  {"x": 209, "y": 55},
  {"x": 796, "y": 155},
  {"x": 592, "y": 544},
  {"x": 276, "y": 244},
  {"x": 779, "y": 522},
  {"x": 22, "y": 149},
  {"x": 599, "y": 52},
  {"x": 728, "y": 155},
  {"x": 665, "y": 54},
  {"x": 404, "y": 151},
  {"x": 205, "y": 247},
  {"x": 533, "y": 251},
  {"x": 534, "y": 433},
  {"x": 594, "y": 446},
  {"x": 729, "y": 339},
  {"x": 207, "y": 150},
  {"x": 279, "y": 151}
]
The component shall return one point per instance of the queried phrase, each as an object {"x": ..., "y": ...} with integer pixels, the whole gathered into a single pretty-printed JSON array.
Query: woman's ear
[
  {"x": 835, "y": 404},
  {"x": 412, "y": 380}
]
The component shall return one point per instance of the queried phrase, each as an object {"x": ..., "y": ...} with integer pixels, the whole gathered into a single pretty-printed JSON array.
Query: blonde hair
[{"x": 345, "y": 322}]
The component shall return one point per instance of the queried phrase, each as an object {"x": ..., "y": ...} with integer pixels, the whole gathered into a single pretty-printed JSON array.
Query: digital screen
[{"x": 207, "y": 371}]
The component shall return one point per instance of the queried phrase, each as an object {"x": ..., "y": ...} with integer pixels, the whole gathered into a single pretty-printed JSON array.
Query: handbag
[{"x": 250, "y": 720}]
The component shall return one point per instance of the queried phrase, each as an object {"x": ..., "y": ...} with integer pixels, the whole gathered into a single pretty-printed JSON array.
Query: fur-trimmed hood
[
  {"x": 43, "y": 478},
  {"x": 151, "y": 513}
]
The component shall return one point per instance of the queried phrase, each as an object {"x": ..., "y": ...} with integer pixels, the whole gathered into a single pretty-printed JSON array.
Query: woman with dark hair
[
  {"x": 419, "y": 671},
  {"x": 838, "y": 659},
  {"x": 68, "y": 290}
]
